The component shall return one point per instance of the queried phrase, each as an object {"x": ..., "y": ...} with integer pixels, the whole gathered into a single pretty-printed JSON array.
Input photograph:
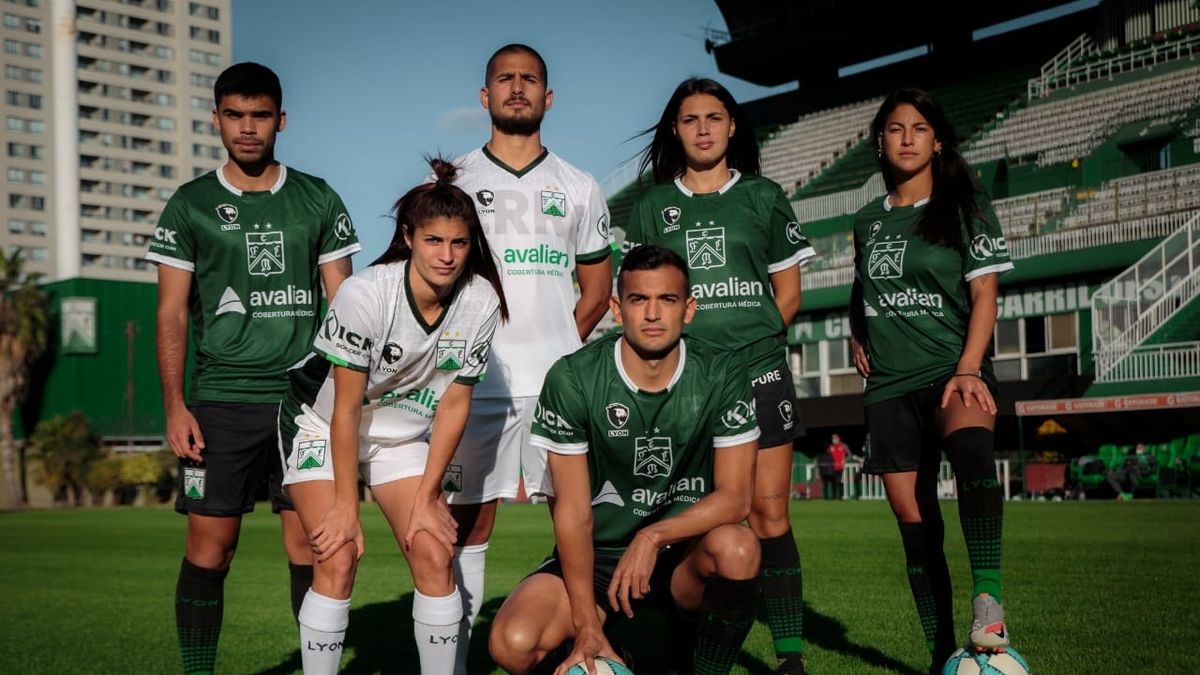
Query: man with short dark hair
[
  {"x": 652, "y": 440},
  {"x": 243, "y": 252}
]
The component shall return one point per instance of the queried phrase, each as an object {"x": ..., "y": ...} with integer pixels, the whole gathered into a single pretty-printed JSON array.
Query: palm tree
[{"x": 22, "y": 340}]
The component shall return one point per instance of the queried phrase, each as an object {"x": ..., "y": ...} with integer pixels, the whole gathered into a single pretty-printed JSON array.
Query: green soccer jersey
[
  {"x": 256, "y": 291},
  {"x": 916, "y": 301},
  {"x": 650, "y": 454},
  {"x": 732, "y": 240}
]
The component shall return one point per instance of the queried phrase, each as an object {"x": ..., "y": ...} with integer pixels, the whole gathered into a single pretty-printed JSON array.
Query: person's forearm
[
  {"x": 573, "y": 538},
  {"x": 448, "y": 424},
  {"x": 171, "y": 346},
  {"x": 720, "y": 507},
  {"x": 343, "y": 434}
]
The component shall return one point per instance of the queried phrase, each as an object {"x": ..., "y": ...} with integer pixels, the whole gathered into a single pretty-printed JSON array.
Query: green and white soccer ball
[
  {"x": 603, "y": 667},
  {"x": 967, "y": 662}
]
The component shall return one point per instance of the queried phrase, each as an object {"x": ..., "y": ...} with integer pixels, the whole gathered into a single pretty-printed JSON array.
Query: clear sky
[{"x": 371, "y": 85}]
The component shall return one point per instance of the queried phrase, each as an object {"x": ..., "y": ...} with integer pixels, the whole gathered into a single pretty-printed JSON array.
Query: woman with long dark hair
[
  {"x": 385, "y": 395},
  {"x": 744, "y": 249},
  {"x": 923, "y": 309}
]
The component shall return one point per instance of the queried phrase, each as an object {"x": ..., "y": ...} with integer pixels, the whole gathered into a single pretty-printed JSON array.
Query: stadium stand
[
  {"x": 1144, "y": 194},
  {"x": 797, "y": 152}
]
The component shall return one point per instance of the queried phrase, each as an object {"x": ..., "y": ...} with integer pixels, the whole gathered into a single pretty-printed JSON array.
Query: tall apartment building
[{"x": 107, "y": 109}]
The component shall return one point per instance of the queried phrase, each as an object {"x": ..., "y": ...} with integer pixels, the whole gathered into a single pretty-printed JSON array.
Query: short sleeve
[
  {"x": 173, "y": 244},
  {"x": 560, "y": 420},
  {"x": 987, "y": 251},
  {"x": 735, "y": 419},
  {"x": 788, "y": 246},
  {"x": 593, "y": 241},
  {"x": 351, "y": 326},
  {"x": 475, "y": 366},
  {"x": 338, "y": 236}
]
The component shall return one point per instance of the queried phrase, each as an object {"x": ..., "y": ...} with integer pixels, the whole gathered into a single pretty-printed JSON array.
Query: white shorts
[
  {"x": 309, "y": 456},
  {"x": 495, "y": 452}
]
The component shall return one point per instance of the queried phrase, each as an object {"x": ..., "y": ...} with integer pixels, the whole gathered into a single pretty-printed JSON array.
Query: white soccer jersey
[
  {"x": 539, "y": 222},
  {"x": 373, "y": 326}
]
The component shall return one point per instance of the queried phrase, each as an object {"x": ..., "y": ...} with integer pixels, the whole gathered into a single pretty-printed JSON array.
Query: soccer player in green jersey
[
  {"x": 242, "y": 251},
  {"x": 923, "y": 308},
  {"x": 744, "y": 250},
  {"x": 652, "y": 443}
]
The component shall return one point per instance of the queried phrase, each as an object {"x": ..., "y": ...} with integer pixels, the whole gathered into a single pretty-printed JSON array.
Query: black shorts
[
  {"x": 669, "y": 558},
  {"x": 241, "y": 450},
  {"x": 775, "y": 405},
  {"x": 904, "y": 432}
]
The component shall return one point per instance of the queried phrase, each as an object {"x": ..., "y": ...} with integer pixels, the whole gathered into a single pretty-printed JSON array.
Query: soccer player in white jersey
[
  {"x": 386, "y": 394},
  {"x": 545, "y": 219}
]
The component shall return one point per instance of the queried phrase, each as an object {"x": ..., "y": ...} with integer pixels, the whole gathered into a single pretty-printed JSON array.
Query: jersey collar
[
  {"x": 734, "y": 175},
  {"x": 529, "y": 167},
  {"x": 416, "y": 311},
  {"x": 238, "y": 192},
  {"x": 629, "y": 381},
  {"x": 887, "y": 202}
]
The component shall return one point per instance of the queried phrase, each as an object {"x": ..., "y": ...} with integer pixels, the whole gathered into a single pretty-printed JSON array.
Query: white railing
[
  {"x": 1157, "y": 362},
  {"x": 1128, "y": 308},
  {"x": 839, "y": 203},
  {"x": 1078, "y": 238},
  {"x": 1079, "y": 48},
  {"x": 861, "y": 485},
  {"x": 1137, "y": 59},
  {"x": 828, "y": 278}
]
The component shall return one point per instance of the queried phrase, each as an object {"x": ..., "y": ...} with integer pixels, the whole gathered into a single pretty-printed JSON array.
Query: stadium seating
[
  {"x": 1030, "y": 214},
  {"x": 1063, "y": 126},
  {"x": 796, "y": 152},
  {"x": 1145, "y": 194}
]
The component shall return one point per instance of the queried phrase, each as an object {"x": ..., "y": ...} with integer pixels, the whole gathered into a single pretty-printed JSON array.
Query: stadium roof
[{"x": 772, "y": 43}]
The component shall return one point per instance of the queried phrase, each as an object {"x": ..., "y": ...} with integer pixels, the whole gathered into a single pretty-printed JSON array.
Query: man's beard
[{"x": 518, "y": 126}]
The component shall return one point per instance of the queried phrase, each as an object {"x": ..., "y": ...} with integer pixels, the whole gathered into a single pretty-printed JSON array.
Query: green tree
[
  {"x": 103, "y": 476},
  {"x": 22, "y": 340},
  {"x": 64, "y": 448}
]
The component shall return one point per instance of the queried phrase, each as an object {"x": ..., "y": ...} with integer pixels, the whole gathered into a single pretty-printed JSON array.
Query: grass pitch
[{"x": 1089, "y": 587}]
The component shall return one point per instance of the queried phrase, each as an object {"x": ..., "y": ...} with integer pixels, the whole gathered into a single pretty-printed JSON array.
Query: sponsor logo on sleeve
[
  {"x": 165, "y": 236},
  {"x": 706, "y": 248},
  {"x": 479, "y": 354},
  {"x": 984, "y": 247},
  {"x": 793, "y": 232},
  {"x": 618, "y": 415},
  {"x": 343, "y": 337},
  {"x": 343, "y": 229},
  {"x": 551, "y": 421},
  {"x": 739, "y": 415},
  {"x": 602, "y": 226}
]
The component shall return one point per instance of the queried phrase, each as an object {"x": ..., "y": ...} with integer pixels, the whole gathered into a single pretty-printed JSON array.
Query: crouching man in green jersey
[{"x": 652, "y": 440}]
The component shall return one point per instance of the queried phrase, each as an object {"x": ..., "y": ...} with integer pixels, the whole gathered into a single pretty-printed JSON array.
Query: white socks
[
  {"x": 323, "y": 623},
  {"x": 469, "y": 565},
  {"x": 436, "y": 626}
]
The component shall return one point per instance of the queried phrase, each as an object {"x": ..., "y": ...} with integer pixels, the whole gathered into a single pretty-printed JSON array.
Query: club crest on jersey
[
  {"x": 264, "y": 253},
  {"x": 311, "y": 454},
  {"x": 452, "y": 480},
  {"x": 706, "y": 248},
  {"x": 652, "y": 456},
  {"x": 984, "y": 247},
  {"x": 670, "y": 215},
  {"x": 228, "y": 213},
  {"x": 342, "y": 227},
  {"x": 485, "y": 197},
  {"x": 554, "y": 203},
  {"x": 740, "y": 414},
  {"x": 451, "y": 354},
  {"x": 887, "y": 259},
  {"x": 793, "y": 232},
  {"x": 193, "y": 482}
]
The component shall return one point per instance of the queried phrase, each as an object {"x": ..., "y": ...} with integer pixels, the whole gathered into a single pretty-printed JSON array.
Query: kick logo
[
  {"x": 652, "y": 456},
  {"x": 793, "y": 232},
  {"x": 485, "y": 197},
  {"x": 451, "y": 354},
  {"x": 311, "y": 454},
  {"x": 739, "y": 415},
  {"x": 670, "y": 215},
  {"x": 706, "y": 248},
  {"x": 887, "y": 259},
  {"x": 479, "y": 354},
  {"x": 342, "y": 227},
  {"x": 193, "y": 482},
  {"x": 264, "y": 253},
  {"x": 554, "y": 203},
  {"x": 452, "y": 480},
  {"x": 228, "y": 213},
  {"x": 984, "y": 247},
  {"x": 602, "y": 226}
]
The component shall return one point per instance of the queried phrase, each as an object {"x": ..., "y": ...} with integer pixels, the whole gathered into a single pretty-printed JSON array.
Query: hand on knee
[{"x": 335, "y": 577}]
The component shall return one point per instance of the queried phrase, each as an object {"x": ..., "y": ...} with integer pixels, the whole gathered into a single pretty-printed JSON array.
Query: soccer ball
[
  {"x": 968, "y": 662},
  {"x": 603, "y": 667}
]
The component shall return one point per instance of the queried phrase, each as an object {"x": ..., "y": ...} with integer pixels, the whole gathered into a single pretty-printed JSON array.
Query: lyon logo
[
  {"x": 228, "y": 213},
  {"x": 485, "y": 197},
  {"x": 264, "y": 253},
  {"x": 670, "y": 215},
  {"x": 706, "y": 248},
  {"x": 618, "y": 415},
  {"x": 887, "y": 260},
  {"x": 652, "y": 457}
]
